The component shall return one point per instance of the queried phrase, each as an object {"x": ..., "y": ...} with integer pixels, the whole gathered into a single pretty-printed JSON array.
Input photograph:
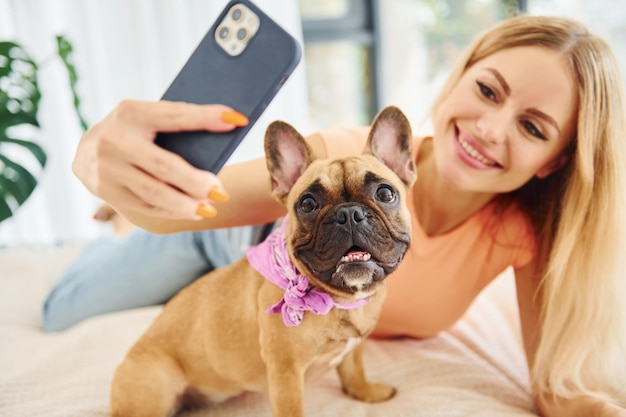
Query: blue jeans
[{"x": 138, "y": 270}]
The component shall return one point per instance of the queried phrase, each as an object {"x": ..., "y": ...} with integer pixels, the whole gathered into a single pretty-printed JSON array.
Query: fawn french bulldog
[{"x": 300, "y": 302}]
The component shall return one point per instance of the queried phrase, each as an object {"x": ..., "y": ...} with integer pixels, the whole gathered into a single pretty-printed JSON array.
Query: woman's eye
[
  {"x": 308, "y": 204},
  {"x": 532, "y": 129},
  {"x": 486, "y": 91},
  {"x": 385, "y": 194}
]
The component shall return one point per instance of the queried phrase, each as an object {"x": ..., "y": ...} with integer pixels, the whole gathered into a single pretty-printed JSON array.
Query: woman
[{"x": 525, "y": 169}]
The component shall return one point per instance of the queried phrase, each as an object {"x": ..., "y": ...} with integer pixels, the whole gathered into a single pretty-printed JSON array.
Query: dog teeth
[{"x": 356, "y": 257}]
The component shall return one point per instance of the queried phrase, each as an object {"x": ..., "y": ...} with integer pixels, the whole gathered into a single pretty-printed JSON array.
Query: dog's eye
[
  {"x": 385, "y": 194},
  {"x": 307, "y": 204}
]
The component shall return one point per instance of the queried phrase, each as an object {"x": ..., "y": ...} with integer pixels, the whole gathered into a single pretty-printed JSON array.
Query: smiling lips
[{"x": 475, "y": 154}]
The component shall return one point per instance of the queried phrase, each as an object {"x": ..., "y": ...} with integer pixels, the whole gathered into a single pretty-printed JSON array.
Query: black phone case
[{"x": 246, "y": 82}]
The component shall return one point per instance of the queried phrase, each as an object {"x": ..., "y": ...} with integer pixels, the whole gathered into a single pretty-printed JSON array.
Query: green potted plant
[{"x": 19, "y": 108}]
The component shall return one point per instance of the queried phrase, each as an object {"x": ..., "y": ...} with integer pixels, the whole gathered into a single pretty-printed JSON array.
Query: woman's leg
[{"x": 137, "y": 270}]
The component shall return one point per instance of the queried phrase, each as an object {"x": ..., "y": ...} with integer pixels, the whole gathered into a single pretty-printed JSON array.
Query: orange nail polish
[
  {"x": 219, "y": 195},
  {"x": 206, "y": 211},
  {"x": 234, "y": 118}
]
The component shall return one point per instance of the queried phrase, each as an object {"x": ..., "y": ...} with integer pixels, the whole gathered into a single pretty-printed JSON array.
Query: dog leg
[
  {"x": 147, "y": 385},
  {"x": 285, "y": 389},
  {"x": 354, "y": 383}
]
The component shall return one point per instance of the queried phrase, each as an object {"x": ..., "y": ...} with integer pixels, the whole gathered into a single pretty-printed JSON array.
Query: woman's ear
[{"x": 554, "y": 165}]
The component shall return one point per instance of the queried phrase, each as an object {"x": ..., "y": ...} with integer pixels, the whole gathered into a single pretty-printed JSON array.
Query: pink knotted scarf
[{"x": 271, "y": 259}]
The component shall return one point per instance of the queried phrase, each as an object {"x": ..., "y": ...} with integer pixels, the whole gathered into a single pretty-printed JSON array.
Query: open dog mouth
[
  {"x": 356, "y": 270},
  {"x": 353, "y": 261},
  {"x": 355, "y": 254}
]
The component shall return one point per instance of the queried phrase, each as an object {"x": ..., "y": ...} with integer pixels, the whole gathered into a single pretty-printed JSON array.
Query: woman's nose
[{"x": 495, "y": 125}]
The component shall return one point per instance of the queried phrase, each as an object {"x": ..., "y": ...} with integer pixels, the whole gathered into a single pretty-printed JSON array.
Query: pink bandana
[{"x": 270, "y": 258}]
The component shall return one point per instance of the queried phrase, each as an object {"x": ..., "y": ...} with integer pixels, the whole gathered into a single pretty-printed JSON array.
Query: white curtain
[{"x": 122, "y": 49}]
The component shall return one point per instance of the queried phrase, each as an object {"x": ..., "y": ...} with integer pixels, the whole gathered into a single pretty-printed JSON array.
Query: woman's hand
[{"x": 118, "y": 161}]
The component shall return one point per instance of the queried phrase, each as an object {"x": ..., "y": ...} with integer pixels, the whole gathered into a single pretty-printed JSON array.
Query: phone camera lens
[
  {"x": 223, "y": 32},
  {"x": 236, "y": 15},
  {"x": 242, "y": 34}
]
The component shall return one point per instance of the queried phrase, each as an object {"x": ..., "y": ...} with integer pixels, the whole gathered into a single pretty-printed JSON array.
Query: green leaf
[
  {"x": 19, "y": 91},
  {"x": 34, "y": 148},
  {"x": 13, "y": 189},
  {"x": 5, "y": 210},
  {"x": 17, "y": 182},
  {"x": 8, "y": 119},
  {"x": 19, "y": 106},
  {"x": 64, "y": 49},
  {"x": 9, "y": 52}
]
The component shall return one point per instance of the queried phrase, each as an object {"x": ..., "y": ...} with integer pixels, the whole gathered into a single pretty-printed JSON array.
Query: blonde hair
[{"x": 578, "y": 214}]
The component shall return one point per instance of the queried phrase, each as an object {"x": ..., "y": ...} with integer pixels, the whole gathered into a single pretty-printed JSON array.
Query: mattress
[{"x": 476, "y": 368}]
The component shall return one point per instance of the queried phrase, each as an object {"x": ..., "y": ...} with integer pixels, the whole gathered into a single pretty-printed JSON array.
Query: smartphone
[{"x": 242, "y": 62}]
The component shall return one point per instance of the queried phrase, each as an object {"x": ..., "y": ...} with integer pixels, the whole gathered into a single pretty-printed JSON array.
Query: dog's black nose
[{"x": 354, "y": 214}]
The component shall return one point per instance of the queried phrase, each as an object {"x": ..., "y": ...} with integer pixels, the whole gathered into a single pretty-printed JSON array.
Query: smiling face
[{"x": 508, "y": 119}]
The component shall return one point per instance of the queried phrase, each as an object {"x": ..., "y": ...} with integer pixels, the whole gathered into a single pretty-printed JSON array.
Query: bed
[{"x": 477, "y": 368}]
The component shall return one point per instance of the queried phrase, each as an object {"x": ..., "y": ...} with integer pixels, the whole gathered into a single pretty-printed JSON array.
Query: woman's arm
[
  {"x": 118, "y": 161},
  {"x": 249, "y": 203},
  {"x": 529, "y": 301}
]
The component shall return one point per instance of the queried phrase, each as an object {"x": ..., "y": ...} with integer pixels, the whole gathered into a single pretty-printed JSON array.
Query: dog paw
[{"x": 372, "y": 393}]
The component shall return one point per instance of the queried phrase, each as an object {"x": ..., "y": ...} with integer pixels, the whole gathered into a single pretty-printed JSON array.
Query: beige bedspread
[{"x": 475, "y": 369}]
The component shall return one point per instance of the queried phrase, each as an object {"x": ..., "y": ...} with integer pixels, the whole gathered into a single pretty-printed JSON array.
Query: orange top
[{"x": 441, "y": 275}]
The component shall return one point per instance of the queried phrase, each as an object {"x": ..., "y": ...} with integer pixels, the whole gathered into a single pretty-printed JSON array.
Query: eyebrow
[
  {"x": 501, "y": 80},
  {"x": 316, "y": 187},
  {"x": 371, "y": 178},
  {"x": 533, "y": 111}
]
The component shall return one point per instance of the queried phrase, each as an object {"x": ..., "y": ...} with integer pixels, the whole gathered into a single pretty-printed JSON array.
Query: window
[
  {"x": 340, "y": 55},
  {"x": 363, "y": 54},
  {"x": 602, "y": 17}
]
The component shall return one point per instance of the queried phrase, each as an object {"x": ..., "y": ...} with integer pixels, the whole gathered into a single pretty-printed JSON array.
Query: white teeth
[
  {"x": 356, "y": 257},
  {"x": 475, "y": 154}
]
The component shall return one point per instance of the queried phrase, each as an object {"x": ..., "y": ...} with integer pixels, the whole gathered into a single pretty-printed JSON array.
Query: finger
[
  {"x": 170, "y": 116},
  {"x": 154, "y": 194},
  {"x": 170, "y": 168},
  {"x": 131, "y": 202},
  {"x": 125, "y": 179}
]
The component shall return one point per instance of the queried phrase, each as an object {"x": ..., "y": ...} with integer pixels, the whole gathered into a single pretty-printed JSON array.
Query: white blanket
[{"x": 477, "y": 368}]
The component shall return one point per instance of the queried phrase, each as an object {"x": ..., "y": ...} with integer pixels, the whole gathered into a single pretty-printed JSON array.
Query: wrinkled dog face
[
  {"x": 351, "y": 226},
  {"x": 352, "y": 229}
]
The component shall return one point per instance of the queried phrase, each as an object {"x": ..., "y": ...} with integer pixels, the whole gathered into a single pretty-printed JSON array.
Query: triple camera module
[{"x": 236, "y": 29}]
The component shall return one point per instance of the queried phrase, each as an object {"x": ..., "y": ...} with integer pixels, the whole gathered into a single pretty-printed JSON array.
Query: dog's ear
[
  {"x": 287, "y": 155},
  {"x": 390, "y": 140}
]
